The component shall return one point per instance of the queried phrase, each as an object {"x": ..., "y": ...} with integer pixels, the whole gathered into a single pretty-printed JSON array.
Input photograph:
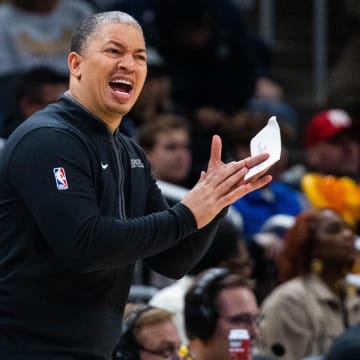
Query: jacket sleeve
[
  {"x": 181, "y": 258},
  {"x": 178, "y": 260},
  {"x": 69, "y": 220}
]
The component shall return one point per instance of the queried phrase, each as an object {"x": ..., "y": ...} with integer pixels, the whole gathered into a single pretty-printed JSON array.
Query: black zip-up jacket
[{"x": 78, "y": 207}]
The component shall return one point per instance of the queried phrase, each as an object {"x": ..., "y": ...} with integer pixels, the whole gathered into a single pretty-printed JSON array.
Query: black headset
[
  {"x": 200, "y": 312},
  {"x": 127, "y": 348}
]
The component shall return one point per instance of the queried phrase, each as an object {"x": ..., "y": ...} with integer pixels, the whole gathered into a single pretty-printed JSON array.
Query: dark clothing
[
  {"x": 78, "y": 207},
  {"x": 11, "y": 122}
]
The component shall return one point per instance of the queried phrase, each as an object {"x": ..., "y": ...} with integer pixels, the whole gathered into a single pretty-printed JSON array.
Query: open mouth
[{"x": 121, "y": 86}]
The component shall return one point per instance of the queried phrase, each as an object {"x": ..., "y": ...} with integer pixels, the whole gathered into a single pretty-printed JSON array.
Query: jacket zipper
[{"x": 117, "y": 146}]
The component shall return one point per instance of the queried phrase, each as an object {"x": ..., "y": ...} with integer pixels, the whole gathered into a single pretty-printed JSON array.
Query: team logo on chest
[
  {"x": 136, "y": 163},
  {"x": 60, "y": 178}
]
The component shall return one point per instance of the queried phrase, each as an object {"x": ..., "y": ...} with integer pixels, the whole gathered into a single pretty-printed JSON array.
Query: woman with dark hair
[{"x": 312, "y": 305}]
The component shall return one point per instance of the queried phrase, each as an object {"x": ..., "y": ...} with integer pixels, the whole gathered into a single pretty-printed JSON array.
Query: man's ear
[{"x": 74, "y": 63}]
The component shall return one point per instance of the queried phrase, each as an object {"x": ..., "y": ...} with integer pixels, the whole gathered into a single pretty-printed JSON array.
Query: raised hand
[{"x": 222, "y": 184}]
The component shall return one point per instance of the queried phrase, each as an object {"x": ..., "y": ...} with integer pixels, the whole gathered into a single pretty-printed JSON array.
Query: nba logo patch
[{"x": 60, "y": 178}]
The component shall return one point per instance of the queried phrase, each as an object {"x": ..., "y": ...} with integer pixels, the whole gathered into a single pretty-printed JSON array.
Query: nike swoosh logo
[{"x": 104, "y": 166}]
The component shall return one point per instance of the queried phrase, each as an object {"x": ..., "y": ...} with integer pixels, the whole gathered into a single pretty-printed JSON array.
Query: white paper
[{"x": 267, "y": 140}]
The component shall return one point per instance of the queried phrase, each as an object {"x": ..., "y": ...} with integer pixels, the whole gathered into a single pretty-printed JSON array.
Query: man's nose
[{"x": 127, "y": 61}]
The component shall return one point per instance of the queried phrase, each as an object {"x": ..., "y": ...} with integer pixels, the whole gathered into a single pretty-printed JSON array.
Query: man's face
[
  {"x": 109, "y": 75},
  {"x": 171, "y": 158},
  {"x": 159, "y": 341},
  {"x": 237, "y": 308},
  {"x": 339, "y": 156}
]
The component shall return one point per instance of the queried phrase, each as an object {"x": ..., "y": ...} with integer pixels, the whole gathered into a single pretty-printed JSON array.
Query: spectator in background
[
  {"x": 33, "y": 34},
  {"x": 148, "y": 333},
  {"x": 330, "y": 177},
  {"x": 38, "y": 33},
  {"x": 216, "y": 303},
  {"x": 332, "y": 146},
  {"x": 197, "y": 46},
  {"x": 227, "y": 250},
  {"x": 312, "y": 306},
  {"x": 215, "y": 28},
  {"x": 273, "y": 200},
  {"x": 35, "y": 89},
  {"x": 166, "y": 141}
]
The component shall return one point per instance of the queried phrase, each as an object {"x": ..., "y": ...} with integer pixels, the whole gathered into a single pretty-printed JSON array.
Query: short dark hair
[
  {"x": 90, "y": 25},
  {"x": 149, "y": 131}
]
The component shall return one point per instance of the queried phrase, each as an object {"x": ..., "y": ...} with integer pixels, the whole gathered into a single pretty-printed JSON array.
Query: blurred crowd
[{"x": 287, "y": 271}]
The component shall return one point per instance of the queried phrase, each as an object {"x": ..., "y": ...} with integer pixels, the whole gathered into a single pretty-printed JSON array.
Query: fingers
[
  {"x": 251, "y": 161},
  {"x": 225, "y": 174},
  {"x": 215, "y": 152},
  {"x": 210, "y": 195},
  {"x": 241, "y": 190},
  {"x": 257, "y": 183},
  {"x": 232, "y": 175},
  {"x": 230, "y": 185}
]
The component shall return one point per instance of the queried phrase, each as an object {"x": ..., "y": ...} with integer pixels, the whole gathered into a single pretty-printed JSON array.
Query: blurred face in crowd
[
  {"x": 170, "y": 158},
  {"x": 108, "y": 77},
  {"x": 335, "y": 240},
  {"x": 237, "y": 308},
  {"x": 158, "y": 341},
  {"x": 49, "y": 93},
  {"x": 240, "y": 263},
  {"x": 338, "y": 156}
]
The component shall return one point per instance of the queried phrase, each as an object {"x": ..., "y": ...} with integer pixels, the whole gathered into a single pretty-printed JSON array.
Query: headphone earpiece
[
  {"x": 201, "y": 314},
  {"x": 127, "y": 348}
]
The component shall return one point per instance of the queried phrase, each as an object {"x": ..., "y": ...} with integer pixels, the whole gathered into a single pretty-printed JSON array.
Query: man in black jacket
[{"x": 78, "y": 206}]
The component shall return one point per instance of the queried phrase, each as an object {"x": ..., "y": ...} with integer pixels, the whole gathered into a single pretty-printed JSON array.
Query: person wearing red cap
[
  {"x": 333, "y": 160},
  {"x": 331, "y": 145}
]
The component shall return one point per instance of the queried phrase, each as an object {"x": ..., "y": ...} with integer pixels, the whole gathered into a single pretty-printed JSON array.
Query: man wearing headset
[
  {"x": 218, "y": 302},
  {"x": 149, "y": 333}
]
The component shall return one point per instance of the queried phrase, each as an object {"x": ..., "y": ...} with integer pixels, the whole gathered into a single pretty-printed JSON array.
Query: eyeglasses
[
  {"x": 171, "y": 352},
  {"x": 243, "y": 319}
]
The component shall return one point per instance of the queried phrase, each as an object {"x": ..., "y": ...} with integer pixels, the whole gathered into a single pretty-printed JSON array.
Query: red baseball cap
[{"x": 326, "y": 125}]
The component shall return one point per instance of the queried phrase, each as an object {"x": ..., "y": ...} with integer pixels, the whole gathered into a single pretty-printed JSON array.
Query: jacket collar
[{"x": 81, "y": 115}]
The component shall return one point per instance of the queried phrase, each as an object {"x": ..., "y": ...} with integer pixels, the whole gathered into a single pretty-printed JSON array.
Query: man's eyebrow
[{"x": 120, "y": 45}]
